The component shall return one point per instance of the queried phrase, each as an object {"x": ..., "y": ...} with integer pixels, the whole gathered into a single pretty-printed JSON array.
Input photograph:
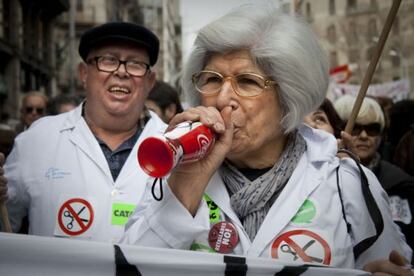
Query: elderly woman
[
  {"x": 367, "y": 135},
  {"x": 268, "y": 187}
]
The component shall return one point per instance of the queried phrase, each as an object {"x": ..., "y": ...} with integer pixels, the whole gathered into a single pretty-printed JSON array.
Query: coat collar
[
  {"x": 81, "y": 136},
  {"x": 308, "y": 175}
]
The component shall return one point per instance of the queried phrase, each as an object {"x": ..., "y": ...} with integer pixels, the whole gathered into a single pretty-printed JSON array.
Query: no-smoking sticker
[
  {"x": 75, "y": 216},
  {"x": 301, "y": 245}
]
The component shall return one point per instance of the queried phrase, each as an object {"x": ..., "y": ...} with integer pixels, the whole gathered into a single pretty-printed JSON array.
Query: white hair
[
  {"x": 284, "y": 47},
  {"x": 370, "y": 112}
]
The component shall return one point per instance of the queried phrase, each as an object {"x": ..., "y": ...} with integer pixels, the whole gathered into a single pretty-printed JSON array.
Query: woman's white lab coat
[
  {"x": 58, "y": 174},
  {"x": 304, "y": 224}
]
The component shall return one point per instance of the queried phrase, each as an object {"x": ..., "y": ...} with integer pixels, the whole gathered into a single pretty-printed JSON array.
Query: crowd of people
[{"x": 281, "y": 169}]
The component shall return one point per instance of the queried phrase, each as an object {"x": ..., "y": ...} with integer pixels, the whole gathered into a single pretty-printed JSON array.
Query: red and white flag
[{"x": 340, "y": 74}]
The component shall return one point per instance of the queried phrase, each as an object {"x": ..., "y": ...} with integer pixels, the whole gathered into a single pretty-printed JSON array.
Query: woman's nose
[
  {"x": 363, "y": 134},
  {"x": 227, "y": 96}
]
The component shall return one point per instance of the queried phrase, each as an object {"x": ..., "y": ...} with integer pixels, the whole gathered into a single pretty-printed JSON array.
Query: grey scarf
[{"x": 251, "y": 200}]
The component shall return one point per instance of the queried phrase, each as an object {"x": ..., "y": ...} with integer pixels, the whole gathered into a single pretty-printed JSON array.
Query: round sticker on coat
[
  {"x": 223, "y": 237},
  {"x": 306, "y": 213},
  {"x": 75, "y": 216},
  {"x": 301, "y": 245}
]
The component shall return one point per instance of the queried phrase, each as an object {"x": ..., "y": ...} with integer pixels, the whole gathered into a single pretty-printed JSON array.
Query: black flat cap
[{"x": 120, "y": 31}]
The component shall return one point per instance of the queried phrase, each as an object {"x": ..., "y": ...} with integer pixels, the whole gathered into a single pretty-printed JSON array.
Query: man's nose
[{"x": 122, "y": 71}]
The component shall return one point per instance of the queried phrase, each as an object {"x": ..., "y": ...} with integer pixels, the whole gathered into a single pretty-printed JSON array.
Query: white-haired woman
[
  {"x": 268, "y": 187},
  {"x": 367, "y": 135}
]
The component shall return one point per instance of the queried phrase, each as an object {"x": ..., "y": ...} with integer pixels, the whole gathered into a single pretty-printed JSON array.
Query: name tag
[{"x": 121, "y": 213}]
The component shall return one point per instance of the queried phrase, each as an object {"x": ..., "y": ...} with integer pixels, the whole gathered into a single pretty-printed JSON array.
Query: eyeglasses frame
[
  {"x": 120, "y": 62},
  {"x": 267, "y": 82}
]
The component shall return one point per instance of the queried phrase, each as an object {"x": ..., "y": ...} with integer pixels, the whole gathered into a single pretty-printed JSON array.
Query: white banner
[
  {"x": 43, "y": 256},
  {"x": 396, "y": 90}
]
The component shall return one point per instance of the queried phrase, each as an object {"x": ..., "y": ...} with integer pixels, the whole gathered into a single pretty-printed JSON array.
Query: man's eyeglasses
[
  {"x": 110, "y": 64},
  {"x": 371, "y": 129},
  {"x": 38, "y": 110},
  {"x": 245, "y": 84}
]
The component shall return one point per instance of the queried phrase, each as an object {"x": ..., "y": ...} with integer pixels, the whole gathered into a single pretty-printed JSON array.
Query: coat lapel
[
  {"x": 297, "y": 190},
  {"x": 81, "y": 136}
]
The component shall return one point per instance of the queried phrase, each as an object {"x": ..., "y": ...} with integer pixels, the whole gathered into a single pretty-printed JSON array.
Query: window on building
[
  {"x": 331, "y": 33},
  {"x": 372, "y": 32},
  {"x": 1, "y": 19},
  {"x": 332, "y": 7},
  {"x": 369, "y": 53},
  {"x": 308, "y": 12},
  {"x": 79, "y": 5},
  {"x": 396, "y": 26},
  {"x": 4, "y": 18},
  {"x": 351, "y": 4},
  {"x": 353, "y": 56},
  {"x": 395, "y": 61},
  {"x": 333, "y": 59},
  {"x": 352, "y": 35}
]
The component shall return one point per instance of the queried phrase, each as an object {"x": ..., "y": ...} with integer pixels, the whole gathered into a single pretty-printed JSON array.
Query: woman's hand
[
  {"x": 346, "y": 142},
  {"x": 188, "y": 181},
  {"x": 395, "y": 265}
]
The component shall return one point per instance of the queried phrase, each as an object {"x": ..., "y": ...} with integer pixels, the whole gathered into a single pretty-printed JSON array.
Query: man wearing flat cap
[{"x": 76, "y": 174}]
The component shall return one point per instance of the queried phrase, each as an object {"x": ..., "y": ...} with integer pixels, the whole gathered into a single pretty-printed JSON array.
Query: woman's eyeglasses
[
  {"x": 245, "y": 84},
  {"x": 371, "y": 129}
]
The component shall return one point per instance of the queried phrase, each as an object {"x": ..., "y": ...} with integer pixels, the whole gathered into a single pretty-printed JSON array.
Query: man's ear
[
  {"x": 152, "y": 78},
  {"x": 82, "y": 73}
]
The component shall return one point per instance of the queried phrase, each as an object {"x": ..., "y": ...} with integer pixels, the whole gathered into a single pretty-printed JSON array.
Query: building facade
[
  {"x": 350, "y": 31},
  {"x": 161, "y": 16},
  {"x": 27, "y": 50}
]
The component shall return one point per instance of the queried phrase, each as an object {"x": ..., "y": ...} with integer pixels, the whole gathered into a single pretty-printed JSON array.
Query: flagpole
[
  {"x": 5, "y": 218},
  {"x": 372, "y": 65}
]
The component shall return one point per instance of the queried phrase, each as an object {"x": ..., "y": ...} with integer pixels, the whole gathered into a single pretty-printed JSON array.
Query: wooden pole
[
  {"x": 5, "y": 218},
  {"x": 3, "y": 210},
  {"x": 372, "y": 65}
]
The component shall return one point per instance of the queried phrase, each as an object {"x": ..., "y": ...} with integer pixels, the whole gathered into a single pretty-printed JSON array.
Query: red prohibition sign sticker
[
  {"x": 75, "y": 216},
  {"x": 302, "y": 245}
]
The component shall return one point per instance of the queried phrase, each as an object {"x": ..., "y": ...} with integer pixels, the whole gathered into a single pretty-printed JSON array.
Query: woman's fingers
[
  {"x": 208, "y": 116},
  {"x": 397, "y": 258},
  {"x": 393, "y": 266}
]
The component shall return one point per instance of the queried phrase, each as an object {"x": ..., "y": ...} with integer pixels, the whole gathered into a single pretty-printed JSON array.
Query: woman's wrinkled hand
[
  {"x": 188, "y": 181},
  {"x": 396, "y": 265}
]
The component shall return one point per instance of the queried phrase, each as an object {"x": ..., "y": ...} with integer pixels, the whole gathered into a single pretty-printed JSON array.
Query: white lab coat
[
  {"x": 319, "y": 230},
  {"x": 57, "y": 168}
]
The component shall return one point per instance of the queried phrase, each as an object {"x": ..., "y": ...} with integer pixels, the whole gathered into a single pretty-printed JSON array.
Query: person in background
[
  {"x": 33, "y": 107},
  {"x": 76, "y": 174},
  {"x": 63, "y": 103},
  {"x": 404, "y": 153},
  {"x": 401, "y": 121},
  {"x": 367, "y": 135},
  {"x": 385, "y": 148},
  {"x": 164, "y": 100},
  {"x": 325, "y": 118},
  {"x": 254, "y": 74}
]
